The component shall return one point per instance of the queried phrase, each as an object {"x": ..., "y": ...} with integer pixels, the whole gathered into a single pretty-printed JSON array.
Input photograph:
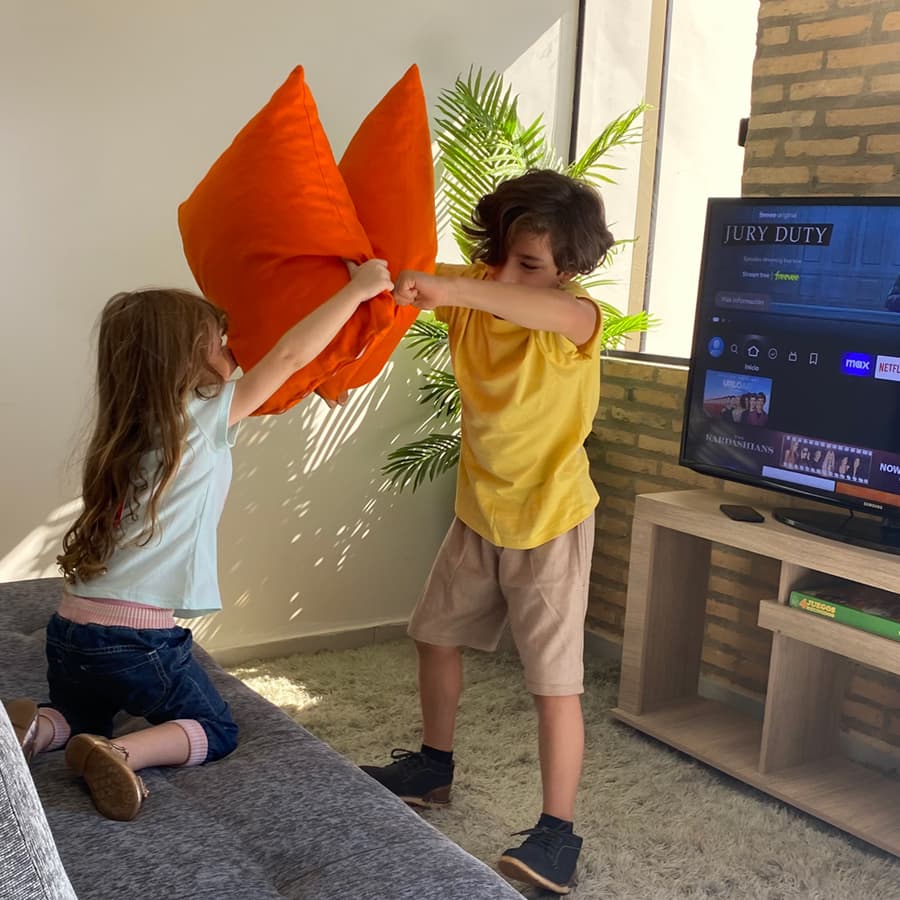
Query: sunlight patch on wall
[
  {"x": 35, "y": 555},
  {"x": 204, "y": 629},
  {"x": 349, "y": 422},
  {"x": 535, "y": 77},
  {"x": 319, "y": 432}
]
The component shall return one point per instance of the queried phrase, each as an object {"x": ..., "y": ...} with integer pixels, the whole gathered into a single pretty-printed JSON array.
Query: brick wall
[
  {"x": 825, "y": 119},
  {"x": 825, "y": 101}
]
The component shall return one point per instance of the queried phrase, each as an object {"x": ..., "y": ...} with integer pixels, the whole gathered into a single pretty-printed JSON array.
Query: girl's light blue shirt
[{"x": 178, "y": 568}]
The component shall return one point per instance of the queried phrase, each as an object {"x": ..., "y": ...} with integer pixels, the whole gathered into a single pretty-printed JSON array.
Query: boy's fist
[{"x": 420, "y": 290}]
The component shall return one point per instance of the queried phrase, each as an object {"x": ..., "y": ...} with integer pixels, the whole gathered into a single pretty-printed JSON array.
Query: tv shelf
[
  {"x": 852, "y": 643},
  {"x": 793, "y": 753}
]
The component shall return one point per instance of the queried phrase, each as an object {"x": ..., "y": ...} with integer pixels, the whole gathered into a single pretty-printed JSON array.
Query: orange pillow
[
  {"x": 389, "y": 172},
  {"x": 264, "y": 233}
]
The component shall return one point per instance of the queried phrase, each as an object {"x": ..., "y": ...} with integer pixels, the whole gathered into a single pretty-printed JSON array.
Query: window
[{"x": 692, "y": 60}]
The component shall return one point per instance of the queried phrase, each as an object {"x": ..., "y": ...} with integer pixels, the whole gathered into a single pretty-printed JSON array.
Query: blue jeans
[{"x": 94, "y": 671}]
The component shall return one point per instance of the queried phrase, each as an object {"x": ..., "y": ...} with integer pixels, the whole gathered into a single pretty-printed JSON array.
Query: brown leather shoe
[
  {"x": 23, "y": 714},
  {"x": 116, "y": 791}
]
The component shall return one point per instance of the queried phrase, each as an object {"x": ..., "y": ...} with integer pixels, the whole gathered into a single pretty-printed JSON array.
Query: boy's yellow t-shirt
[{"x": 528, "y": 403}]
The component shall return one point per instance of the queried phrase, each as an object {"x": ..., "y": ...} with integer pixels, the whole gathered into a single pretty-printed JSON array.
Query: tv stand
[
  {"x": 864, "y": 531},
  {"x": 794, "y": 752}
]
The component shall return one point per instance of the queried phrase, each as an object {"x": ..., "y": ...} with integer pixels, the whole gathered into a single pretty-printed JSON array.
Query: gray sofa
[{"x": 283, "y": 816}]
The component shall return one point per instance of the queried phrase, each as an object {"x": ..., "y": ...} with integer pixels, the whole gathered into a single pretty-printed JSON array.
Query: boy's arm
[{"x": 538, "y": 309}]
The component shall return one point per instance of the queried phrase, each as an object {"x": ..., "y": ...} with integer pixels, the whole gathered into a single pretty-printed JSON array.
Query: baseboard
[
  {"x": 346, "y": 639},
  {"x": 350, "y": 638}
]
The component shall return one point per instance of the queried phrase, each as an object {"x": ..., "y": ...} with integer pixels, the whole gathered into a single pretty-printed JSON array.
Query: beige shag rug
[{"x": 656, "y": 824}]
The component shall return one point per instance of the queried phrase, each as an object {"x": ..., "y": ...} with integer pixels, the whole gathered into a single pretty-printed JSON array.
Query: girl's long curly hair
[{"x": 153, "y": 355}]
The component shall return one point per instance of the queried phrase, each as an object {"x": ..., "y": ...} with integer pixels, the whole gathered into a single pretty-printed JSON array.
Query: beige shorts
[{"x": 475, "y": 587}]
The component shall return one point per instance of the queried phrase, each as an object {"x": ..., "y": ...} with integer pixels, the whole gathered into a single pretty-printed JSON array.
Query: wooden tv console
[{"x": 793, "y": 754}]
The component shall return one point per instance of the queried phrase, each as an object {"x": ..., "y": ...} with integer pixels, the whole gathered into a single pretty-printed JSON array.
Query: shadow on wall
[
  {"x": 305, "y": 516},
  {"x": 312, "y": 527},
  {"x": 308, "y": 499}
]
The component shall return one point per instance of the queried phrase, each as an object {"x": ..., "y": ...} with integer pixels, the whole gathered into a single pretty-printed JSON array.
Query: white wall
[{"x": 111, "y": 113}]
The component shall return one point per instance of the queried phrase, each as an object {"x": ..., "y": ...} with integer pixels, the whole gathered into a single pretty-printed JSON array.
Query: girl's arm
[
  {"x": 307, "y": 339},
  {"x": 536, "y": 308}
]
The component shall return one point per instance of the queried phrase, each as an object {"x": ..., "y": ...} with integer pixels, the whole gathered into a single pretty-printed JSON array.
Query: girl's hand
[
  {"x": 421, "y": 290},
  {"x": 342, "y": 399},
  {"x": 372, "y": 277}
]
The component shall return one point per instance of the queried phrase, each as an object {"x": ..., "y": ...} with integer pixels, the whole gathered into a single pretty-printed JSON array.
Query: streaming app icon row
[
  {"x": 860, "y": 365},
  {"x": 758, "y": 349}
]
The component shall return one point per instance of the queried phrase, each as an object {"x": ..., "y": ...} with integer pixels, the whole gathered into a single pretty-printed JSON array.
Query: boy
[{"x": 525, "y": 343}]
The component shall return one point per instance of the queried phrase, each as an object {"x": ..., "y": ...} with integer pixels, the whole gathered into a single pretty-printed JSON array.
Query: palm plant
[{"x": 482, "y": 143}]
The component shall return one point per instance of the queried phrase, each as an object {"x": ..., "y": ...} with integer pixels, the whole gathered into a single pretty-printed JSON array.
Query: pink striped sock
[
  {"x": 61, "y": 729},
  {"x": 197, "y": 740}
]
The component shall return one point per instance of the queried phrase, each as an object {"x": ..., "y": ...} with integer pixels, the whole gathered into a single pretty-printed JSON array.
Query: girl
[{"x": 143, "y": 550}]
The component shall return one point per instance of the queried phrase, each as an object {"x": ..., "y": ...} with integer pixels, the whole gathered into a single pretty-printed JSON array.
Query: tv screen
[{"x": 794, "y": 377}]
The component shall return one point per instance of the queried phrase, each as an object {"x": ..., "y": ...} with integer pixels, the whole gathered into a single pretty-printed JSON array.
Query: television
[{"x": 794, "y": 381}]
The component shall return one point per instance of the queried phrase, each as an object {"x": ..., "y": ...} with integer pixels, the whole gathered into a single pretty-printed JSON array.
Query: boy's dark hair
[{"x": 540, "y": 202}]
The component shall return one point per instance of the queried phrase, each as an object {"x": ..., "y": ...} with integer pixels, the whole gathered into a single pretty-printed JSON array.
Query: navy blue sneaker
[
  {"x": 546, "y": 858},
  {"x": 415, "y": 778}
]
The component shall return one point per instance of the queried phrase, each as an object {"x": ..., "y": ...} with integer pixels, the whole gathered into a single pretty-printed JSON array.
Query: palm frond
[
  {"x": 427, "y": 336},
  {"x": 482, "y": 143},
  {"x": 621, "y": 131},
  {"x": 428, "y": 458},
  {"x": 442, "y": 392},
  {"x": 617, "y": 327}
]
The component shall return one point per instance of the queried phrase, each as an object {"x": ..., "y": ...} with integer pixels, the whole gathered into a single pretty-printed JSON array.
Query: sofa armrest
[{"x": 30, "y": 867}]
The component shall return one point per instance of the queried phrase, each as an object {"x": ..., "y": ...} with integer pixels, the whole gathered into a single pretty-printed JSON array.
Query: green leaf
[
  {"x": 481, "y": 143},
  {"x": 442, "y": 391},
  {"x": 427, "y": 336},
  {"x": 620, "y": 132},
  {"x": 617, "y": 326},
  {"x": 422, "y": 460}
]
